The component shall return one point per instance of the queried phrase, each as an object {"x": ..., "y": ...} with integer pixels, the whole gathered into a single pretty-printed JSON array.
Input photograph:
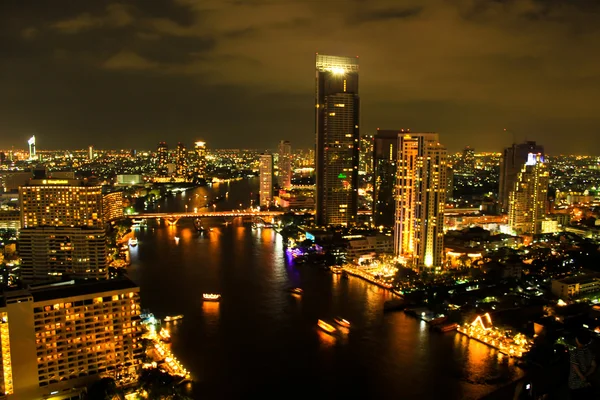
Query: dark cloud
[{"x": 240, "y": 73}]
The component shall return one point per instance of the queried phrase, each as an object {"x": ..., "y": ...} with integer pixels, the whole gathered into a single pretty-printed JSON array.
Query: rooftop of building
[
  {"x": 72, "y": 288},
  {"x": 581, "y": 279}
]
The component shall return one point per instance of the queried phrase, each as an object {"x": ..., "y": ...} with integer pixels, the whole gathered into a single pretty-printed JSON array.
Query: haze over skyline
[{"x": 241, "y": 73}]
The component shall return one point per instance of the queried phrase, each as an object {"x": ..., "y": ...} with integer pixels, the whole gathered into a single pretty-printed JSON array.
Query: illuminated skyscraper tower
[
  {"x": 200, "y": 149},
  {"x": 337, "y": 139},
  {"x": 181, "y": 160},
  {"x": 285, "y": 164},
  {"x": 513, "y": 159},
  {"x": 527, "y": 200},
  {"x": 420, "y": 200},
  {"x": 31, "y": 143},
  {"x": 266, "y": 180},
  {"x": 162, "y": 156}
]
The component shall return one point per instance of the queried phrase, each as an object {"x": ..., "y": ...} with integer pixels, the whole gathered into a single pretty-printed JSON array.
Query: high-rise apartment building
[
  {"x": 513, "y": 159},
  {"x": 56, "y": 339},
  {"x": 200, "y": 152},
  {"x": 181, "y": 160},
  {"x": 53, "y": 252},
  {"x": 385, "y": 157},
  {"x": 285, "y": 165},
  {"x": 366, "y": 154},
  {"x": 91, "y": 153},
  {"x": 527, "y": 200},
  {"x": 337, "y": 139},
  {"x": 112, "y": 206},
  {"x": 60, "y": 202},
  {"x": 420, "y": 200},
  {"x": 266, "y": 180},
  {"x": 162, "y": 156},
  {"x": 468, "y": 161},
  {"x": 31, "y": 143}
]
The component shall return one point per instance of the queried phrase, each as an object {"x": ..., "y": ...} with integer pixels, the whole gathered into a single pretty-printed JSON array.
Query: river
[{"x": 260, "y": 340}]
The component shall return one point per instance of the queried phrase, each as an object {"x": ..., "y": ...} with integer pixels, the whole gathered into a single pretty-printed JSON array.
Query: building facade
[
  {"x": 511, "y": 163},
  {"x": 60, "y": 202},
  {"x": 420, "y": 200},
  {"x": 56, "y": 339},
  {"x": 162, "y": 157},
  {"x": 385, "y": 157},
  {"x": 527, "y": 201},
  {"x": 266, "y": 180},
  {"x": 112, "y": 206},
  {"x": 285, "y": 165},
  {"x": 337, "y": 139},
  {"x": 181, "y": 160},
  {"x": 200, "y": 152}
]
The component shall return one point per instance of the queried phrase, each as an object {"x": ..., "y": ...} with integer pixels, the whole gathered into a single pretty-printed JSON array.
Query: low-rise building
[
  {"x": 360, "y": 247},
  {"x": 576, "y": 286}
]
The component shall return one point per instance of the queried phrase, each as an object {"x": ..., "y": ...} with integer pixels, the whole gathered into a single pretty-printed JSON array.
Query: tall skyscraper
[
  {"x": 31, "y": 143},
  {"x": 420, "y": 200},
  {"x": 366, "y": 155},
  {"x": 181, "y": 160},
  {"x": 57, "y": 338},
  {"x": 266, "y": 180},
  {"x": 60, "y": 202},
  {"x": 337, "y": 139},
  {"x": 112, "y": 206},
  {"x": 285, "y": 165},
  {"x": 385, "y": 157},
  {"x": 91, "y": 153},
  {"x": 527, "y": 200},
  {"x": 162, "y": 155},
  {"x": 468, "y": 161},
  {"x": 53, "y": 252},
  {"x": 513, "y": 159},
  {"x": 200, "y": 150}
]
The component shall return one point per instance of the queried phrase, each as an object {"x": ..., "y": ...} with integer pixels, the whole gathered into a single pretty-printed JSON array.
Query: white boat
[
  {"x": 211, "y": 297},
  {"x": 169, "y": 318},
  {"x": 133, "y": 242}
]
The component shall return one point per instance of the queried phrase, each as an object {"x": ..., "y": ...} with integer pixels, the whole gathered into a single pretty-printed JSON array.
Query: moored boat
[
  {"x": 169, "y": 318},
  {"x": 446, "y": 327},
  {"x": 296, "y": 290},
  {"x": 211, "y": 297},
  {"x": 342, "y": 322},
  {"x": 325, "y": 327}
]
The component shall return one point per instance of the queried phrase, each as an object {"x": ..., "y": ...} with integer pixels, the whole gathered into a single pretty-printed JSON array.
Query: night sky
[{"x": 240, "y": 73}]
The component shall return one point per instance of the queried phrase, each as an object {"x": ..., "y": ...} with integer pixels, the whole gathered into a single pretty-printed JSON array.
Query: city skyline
[{"x": 163, "y": 70}]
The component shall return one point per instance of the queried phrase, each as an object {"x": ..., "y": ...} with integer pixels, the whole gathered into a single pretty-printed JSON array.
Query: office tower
[
  {"x": 53, "y": 252},
  {"x": 91, "y": 153},
  {"x": 181, "y": 160},
  {"x": 31, "y": 143},
  {"x": 366, "y": 155},
  {"x": 513, "y": 159},
  {"x": 527, "y": 200},
  {"x": 420, "y": 200},
  {"x": 112, "y": 206},
  {"x": 200, "y": 150},
  {"x": 60, "y": 202},
  {"x": 385, "y": 157},
  {"x": 468, "y": 161},
  {"x": 162, "y": 156},
  {"x": 58, "y": 338},
  {"x": 266, "y": 180},
  {"x": 285, "y": 165},
  {"x": 337, "y": 139}
]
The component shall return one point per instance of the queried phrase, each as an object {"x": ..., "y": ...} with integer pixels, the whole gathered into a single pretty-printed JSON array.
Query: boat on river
[
  {"x": 133, "y": 242},
  {"x": 169, "y": 318},
  {"x": 211, "y": 297},
  {"x": 342, "y": 322},
  {"x": 296, "y": 290},
  {"x": 325, "y": 327}
]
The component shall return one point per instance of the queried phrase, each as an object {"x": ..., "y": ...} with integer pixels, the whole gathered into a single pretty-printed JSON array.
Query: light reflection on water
[{"x": 259, "y": 330}]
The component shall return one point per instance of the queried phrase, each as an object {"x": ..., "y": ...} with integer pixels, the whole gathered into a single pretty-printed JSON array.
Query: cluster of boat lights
[{"x": 322, "y": 325}]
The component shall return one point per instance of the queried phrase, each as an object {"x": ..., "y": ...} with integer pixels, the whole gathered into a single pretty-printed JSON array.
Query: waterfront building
[
  {"x": 285, "y": 165},
  {"x": 181, "y": 160},
  {"x": 53, "y": 252},
  {"x": 385, "y": 157},
  {"x": 527, "y": 201},
  {"x": 360, "y": 247},
  {"x": 112, "y": 206},
  {"x": 266, "y": 180},
  {"x": 337, "y": 139},
  {"x": 420, "y": 200},
  {"x": 511, "y": 163},
  {"x": 60, "y": 202},
  {"x": 56, "y": 339},
  {"x": 200, "y": 151}
]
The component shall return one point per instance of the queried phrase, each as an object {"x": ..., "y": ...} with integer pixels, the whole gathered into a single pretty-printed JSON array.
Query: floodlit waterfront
[{"x": 260, "y": 339}]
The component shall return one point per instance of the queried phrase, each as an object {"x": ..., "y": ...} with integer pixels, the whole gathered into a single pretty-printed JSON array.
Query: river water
[{"x": 260, "y": 340}]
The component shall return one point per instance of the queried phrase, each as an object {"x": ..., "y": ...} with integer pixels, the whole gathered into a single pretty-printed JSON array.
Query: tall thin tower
[
  {"x": 337, "y": 139},
  {"x": 420, "y": 200}
]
